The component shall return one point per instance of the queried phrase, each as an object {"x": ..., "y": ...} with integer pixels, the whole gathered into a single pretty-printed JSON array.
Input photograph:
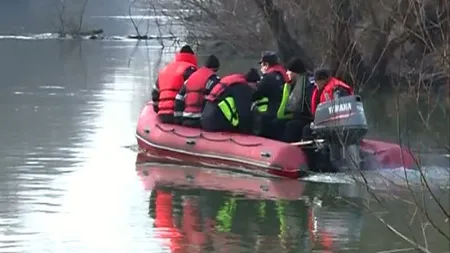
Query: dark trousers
[
  {"x": 195, "y": 123},
  {"x": 318, "y": 158},
  {"x": 270, "y": 127},
  {"x": 166, "y": 118},
  {"x": 294, "y": 130},
  {"x": 213, "y": 120},
  {"x": 307, "y": 133}
]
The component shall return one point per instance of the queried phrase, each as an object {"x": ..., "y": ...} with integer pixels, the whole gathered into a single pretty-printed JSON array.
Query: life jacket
[
  {"x": 195, "y": 92},
  {"x": 170, "y": 81},
  {"x": 263, "y": 103},
  {"x": 327, "y": 92},
  {"x": 280, "y": 69},
  {"x": 224, "y": 83},
  {"x": 227, "y": 105}
]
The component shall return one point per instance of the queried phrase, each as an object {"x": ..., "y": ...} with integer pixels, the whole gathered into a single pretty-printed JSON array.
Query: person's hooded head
[
  {"x": 321, "y": 77},
  {"x": 186, "y": 49},
  {"x": 252, "y": 76},
  {"x": 295, "y": 67},
  {"x": 212, "y": 62},
  {"x": 186, "y": 54}
]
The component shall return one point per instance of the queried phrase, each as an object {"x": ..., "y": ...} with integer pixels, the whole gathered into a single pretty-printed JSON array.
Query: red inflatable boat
[{"x": 245, "y": 153}]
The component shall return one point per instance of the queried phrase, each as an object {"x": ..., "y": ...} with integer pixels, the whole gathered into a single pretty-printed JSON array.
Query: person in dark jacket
[
  {"x": 228, "y": 105},
  {"x": 271, "y": 96},
  {"x": 169, "y": 82},
  {"x": 299, "y": 99},
  {"x": 190, "y": 100}
]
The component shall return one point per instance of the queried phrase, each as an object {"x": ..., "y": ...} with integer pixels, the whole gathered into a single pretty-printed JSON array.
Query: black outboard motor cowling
[{"x": 342, "y": 124}]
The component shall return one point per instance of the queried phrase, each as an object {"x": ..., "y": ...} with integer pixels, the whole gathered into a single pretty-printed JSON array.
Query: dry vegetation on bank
[{"x": 376, "y": 42}]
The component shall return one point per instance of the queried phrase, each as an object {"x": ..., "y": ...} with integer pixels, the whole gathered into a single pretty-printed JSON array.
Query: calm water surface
[
  {"x": 68, "y": 182},
  {"x": 67, "y": 111}
]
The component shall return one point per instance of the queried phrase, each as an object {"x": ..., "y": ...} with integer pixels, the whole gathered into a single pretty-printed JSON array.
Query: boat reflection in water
[{"x": 203, "y": 210}]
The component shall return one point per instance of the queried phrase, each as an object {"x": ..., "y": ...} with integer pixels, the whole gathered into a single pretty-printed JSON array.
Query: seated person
[
  {"x": 169, "y": 82},
  {"x": 271, "y": 95},
  {"x": 298, "y": 104},
  {"x": 228, "y": 105},
  {"x": 326, "y": 88},
  {"x": 191, "y": 98}
]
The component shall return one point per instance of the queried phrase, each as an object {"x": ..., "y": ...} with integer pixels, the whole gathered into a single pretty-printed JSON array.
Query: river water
[{"x": 69, "y": 183}]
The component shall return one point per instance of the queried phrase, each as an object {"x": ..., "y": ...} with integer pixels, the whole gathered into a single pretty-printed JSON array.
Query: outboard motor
[{"x": 342, "y": 124}]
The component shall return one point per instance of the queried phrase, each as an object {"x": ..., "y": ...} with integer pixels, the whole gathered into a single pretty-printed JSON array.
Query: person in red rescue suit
[
  {"x": 228, "y": 106},
  {"x": 169, "y": 82},
  {"x": 269, "y": 96},
  {"x": 190, "y": 100},
  {"x": 326, "y": 88}
]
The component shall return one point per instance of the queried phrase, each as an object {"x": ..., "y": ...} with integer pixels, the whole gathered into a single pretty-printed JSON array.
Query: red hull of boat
[{"x": 257, "y": 155}]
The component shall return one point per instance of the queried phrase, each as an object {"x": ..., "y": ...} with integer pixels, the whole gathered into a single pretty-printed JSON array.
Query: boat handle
[
  {"x": 190, "y": 142},
  {"x": 265, "y": 154}
]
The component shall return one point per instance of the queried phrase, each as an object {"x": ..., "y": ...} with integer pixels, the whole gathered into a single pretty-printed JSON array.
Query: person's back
[
  {"x": 243, "y": 99},
  {"x": 190, "y": 100},
  {"x": 169, "y": 82},
  {"x": 228, "y": 107}
]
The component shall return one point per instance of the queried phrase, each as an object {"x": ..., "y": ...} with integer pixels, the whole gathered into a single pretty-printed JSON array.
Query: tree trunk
[{"x": 288, "y": 47}]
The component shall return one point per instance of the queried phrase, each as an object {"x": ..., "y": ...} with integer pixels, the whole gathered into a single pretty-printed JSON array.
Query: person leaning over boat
[
  {"x": 228, "y": 105},
  {"x": 326, "y": 88},
  {"x": 299, "y": 100},
  {"x": 271, "y": 96},
  {"x": 169, "y": 82},
  {"x": 190, "y": 100}
]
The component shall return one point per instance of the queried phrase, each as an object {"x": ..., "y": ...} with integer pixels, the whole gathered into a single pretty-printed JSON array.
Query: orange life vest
[
  {"x": 327, "y": 93},
  {"x": 224, "y": 83},
  {"x": 280, "y": 69},
  {"x": 170, "y": 81},
  {"x": 195, "y": 92}
]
